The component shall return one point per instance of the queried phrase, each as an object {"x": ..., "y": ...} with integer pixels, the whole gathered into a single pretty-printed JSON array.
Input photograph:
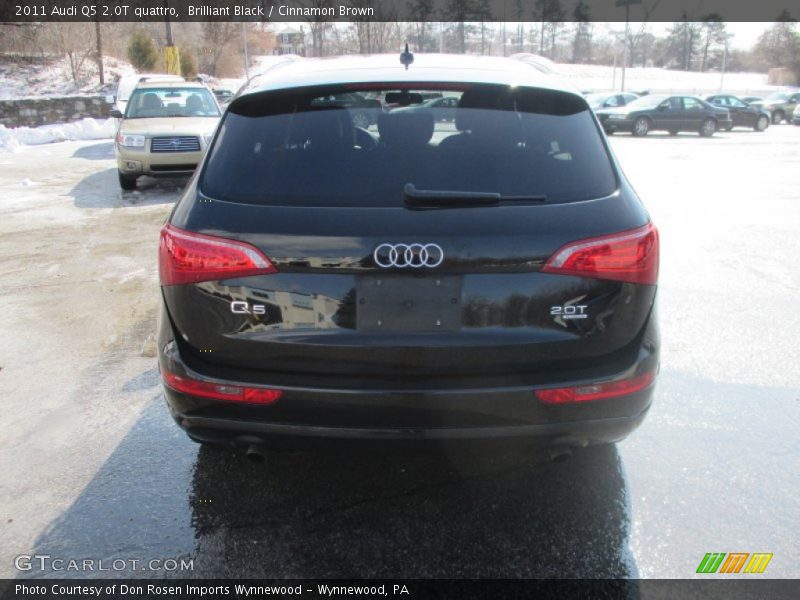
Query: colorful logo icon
[{"x": 716, "y": 562}]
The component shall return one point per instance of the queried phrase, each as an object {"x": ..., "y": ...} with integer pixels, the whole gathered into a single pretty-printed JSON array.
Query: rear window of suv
[{"x": 349, "y": 146}]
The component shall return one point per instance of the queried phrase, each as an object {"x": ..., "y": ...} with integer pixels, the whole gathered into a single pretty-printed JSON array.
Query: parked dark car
[
  {"x": 414, "y": 282},
  {"x": 781, "y": 105},
  {"x": 600, "y": 100},
  {"x": 751, "y": 99},
  {"x": 742, "y": 114},
  {"x": 442, "y": 109},
  {"x": 665, "y": 113},
  {"x": 224, "y": 96}
]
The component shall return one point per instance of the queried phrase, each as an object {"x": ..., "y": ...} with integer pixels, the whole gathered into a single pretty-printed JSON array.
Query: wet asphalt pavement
[{"x": 99, "y": 470}]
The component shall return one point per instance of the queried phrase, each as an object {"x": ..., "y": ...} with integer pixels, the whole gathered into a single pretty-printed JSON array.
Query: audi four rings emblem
[{"x": 403, "y": 256}]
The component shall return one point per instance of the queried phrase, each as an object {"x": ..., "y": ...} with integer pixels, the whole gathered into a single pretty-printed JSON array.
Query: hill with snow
[{"x": 23, "y": 79}]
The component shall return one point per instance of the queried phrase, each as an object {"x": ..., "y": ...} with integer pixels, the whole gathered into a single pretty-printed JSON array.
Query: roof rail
[
  {"x": 540, "y": 63},
  {"x": 281, "y": 61}
]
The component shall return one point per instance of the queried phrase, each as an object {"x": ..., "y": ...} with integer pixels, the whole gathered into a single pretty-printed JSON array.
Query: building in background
[{"x": 290, "y": 40}]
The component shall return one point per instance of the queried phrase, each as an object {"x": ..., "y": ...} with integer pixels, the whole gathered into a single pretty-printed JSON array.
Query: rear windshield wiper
[{"x": 446, "y": 198}]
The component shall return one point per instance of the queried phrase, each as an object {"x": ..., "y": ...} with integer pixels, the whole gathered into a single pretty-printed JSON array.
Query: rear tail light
[
  {"x": 220, "y": 391},
  {"x": 597, "y": 391},
  {"x": 630, "y": 256},
  {"x": 188, "y": 257}
]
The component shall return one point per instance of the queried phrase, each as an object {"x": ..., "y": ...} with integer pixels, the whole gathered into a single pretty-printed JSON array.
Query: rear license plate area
[{"x": 408, "y": 303}]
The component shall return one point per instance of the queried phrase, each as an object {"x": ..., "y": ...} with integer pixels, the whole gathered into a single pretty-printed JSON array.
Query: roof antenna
[{"x": 406, "y": 58}]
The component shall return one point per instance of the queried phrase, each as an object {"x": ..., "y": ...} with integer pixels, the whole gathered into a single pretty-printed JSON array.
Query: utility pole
[
  {"x": 172, "y": 60},
  {"x": 625, "y": 45},
  {"x": 627, "y": 5},
  {"x": 99, "y": 48},
  {"x": 246, "y": 59},
  {"x": 724, "y": 63},
  {"x": 614, "y": 70}
]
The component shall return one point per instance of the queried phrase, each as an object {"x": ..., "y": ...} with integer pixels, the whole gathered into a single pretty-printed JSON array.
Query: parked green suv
[{"x": 781, "y": 105}]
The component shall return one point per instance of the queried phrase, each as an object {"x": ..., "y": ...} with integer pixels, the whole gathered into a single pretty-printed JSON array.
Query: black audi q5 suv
[{"x": 490, "y": 275}]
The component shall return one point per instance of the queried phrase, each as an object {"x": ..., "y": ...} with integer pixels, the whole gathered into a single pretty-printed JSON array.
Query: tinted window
[
  {"x": 171, "y": 102},
  {"x": 284, "y": 149},
  {"x": 692, "y": 104},
  {"x": 597, "y": 100}
]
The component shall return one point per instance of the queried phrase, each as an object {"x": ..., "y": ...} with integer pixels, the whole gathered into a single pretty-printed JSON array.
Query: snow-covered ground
[
  {"x": 23, "y": 80},
  {"x": 603, "y": 78},
  {"x": 85, "y": 129}
]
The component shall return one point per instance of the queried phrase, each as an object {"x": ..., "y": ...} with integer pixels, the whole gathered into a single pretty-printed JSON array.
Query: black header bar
[{"x": 392, "y": 10}]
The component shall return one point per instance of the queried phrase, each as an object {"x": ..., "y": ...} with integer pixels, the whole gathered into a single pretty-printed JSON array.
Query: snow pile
[{"x": 85, "y": 129}]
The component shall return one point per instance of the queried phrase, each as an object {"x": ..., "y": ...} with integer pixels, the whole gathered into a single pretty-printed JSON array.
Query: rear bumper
[
  {"x": 241, "y": 433},
  {"x": 428, "y": 411}
]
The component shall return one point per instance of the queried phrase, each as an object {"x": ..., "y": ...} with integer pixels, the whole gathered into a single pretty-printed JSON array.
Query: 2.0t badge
[{"x": 569, "y": 311}]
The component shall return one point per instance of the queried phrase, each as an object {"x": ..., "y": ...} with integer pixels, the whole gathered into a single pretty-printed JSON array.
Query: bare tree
[
  {"x": 682, "y": 42},
  {"x": 582, "y": 41},
  {"x": 551, "y": 14},
  {"x": 714, "y": 33},
  {"x": 779, "y": 46},
  {"x": 636, "y": 39},
  {"x": 420, "y": 13},
  {"x": 519, "y": 13},
  {"x": 69, "y": 39},
  {"x": 318, "y": 25},
  {"x": 379, "y": 32},
  {"x": 218, "y": 34}
]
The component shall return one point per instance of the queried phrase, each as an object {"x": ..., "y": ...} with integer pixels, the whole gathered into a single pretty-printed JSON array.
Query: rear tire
[
  {"x": 641, "y": 127},
  {"x": 761, "y": 123},
  {"x": 126, "y": 182},
  {"x": 708, "y": 128},
  {"x": 777, "y": 117}
]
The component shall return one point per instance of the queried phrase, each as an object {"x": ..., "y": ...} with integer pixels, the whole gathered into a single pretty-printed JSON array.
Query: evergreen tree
[
  {"x": 142, "y": 52},
  {"x": 188, "y": 64}
]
